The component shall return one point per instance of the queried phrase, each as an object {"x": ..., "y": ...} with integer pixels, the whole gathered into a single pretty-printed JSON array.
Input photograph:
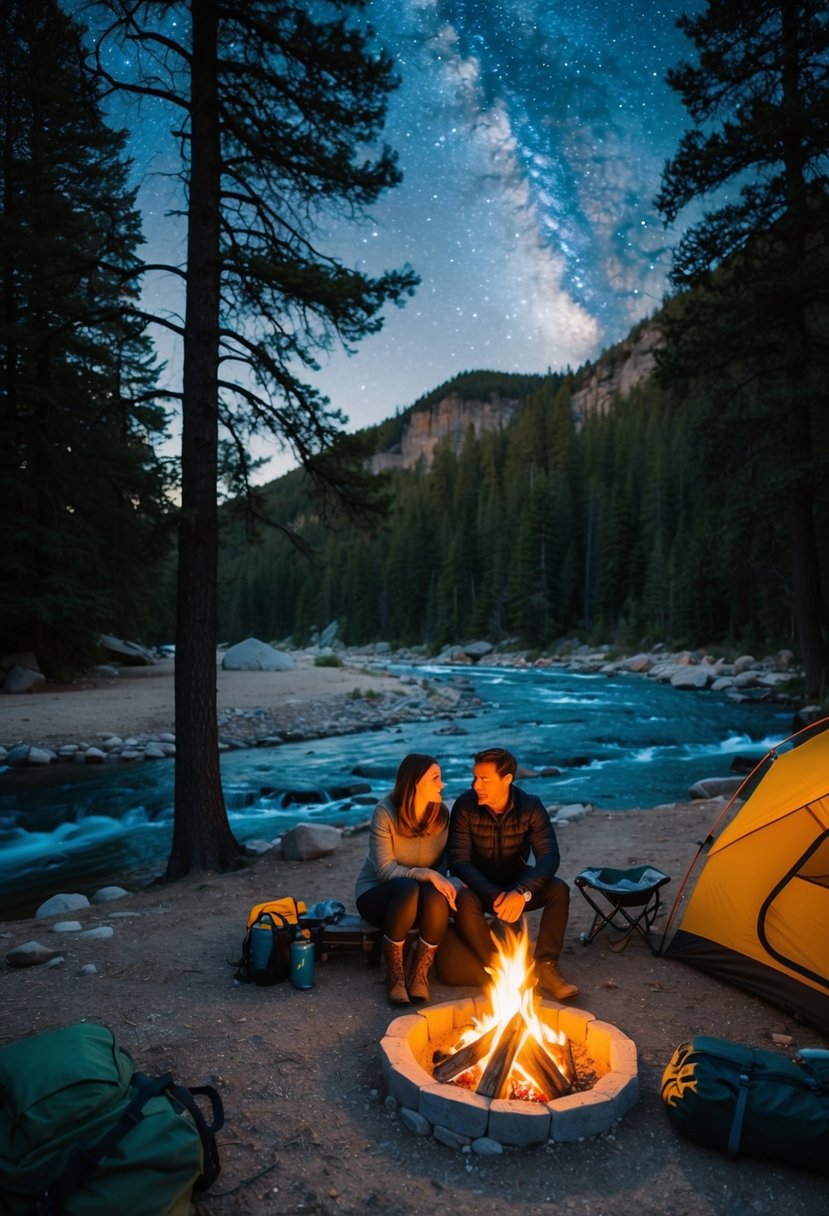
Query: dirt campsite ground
[{"x": 308, "y": 1131}]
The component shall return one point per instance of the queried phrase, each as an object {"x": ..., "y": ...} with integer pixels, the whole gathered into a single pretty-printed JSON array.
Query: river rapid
[{"x": 614, "y": 742}]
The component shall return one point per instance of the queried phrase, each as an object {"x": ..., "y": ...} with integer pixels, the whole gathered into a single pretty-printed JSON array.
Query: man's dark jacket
[{"x": 490, "y": 853}]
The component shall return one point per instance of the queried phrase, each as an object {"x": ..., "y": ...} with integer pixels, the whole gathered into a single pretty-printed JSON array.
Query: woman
[{"x": 403, "y": 881}]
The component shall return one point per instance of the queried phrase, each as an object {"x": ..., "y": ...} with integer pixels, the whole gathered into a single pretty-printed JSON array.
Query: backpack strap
[
  {"x": 207, "y": 1131},
  {"x": 736, "y": 1130},
  {"x": 86, "y": 1159}
]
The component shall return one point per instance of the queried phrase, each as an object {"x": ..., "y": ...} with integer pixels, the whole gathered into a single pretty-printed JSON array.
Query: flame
[{"x": 511, "y": 992}]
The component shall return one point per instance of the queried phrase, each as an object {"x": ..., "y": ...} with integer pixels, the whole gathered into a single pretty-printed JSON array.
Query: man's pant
[{"x": 472, "y": 925}]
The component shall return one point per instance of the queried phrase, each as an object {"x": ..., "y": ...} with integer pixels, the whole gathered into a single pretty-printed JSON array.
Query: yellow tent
[{"x": 758, "y": 916}]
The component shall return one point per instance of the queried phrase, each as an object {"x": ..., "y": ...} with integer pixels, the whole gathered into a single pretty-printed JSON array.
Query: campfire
[
  {"x": 499, "y": 1066},
  {"x": 508, "y": 1051}
]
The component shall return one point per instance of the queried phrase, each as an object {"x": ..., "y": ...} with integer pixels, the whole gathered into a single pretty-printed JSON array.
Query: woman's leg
[
  {"x": 392, "y": 906},
  {"x": 432, "y": 914}
]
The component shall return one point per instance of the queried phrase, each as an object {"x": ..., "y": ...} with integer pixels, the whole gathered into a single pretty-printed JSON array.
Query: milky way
[{"x": 531, "y": 136}]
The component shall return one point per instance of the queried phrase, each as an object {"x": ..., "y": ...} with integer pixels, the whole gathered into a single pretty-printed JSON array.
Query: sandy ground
[
  {"x": 307, "y": 1129},
  {"x": 142, "y": 699}
]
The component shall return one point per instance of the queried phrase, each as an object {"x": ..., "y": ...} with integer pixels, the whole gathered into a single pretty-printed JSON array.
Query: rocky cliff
[
  {"x": 450, "y": 418},
  {"x": 616, "y": 373}
]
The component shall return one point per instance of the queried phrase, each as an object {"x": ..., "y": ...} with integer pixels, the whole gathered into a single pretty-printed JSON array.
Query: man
[{"x": 492, "y": 831}]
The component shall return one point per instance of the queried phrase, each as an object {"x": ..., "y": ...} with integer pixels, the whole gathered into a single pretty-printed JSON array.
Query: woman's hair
[{"x": 412, "y": 768}]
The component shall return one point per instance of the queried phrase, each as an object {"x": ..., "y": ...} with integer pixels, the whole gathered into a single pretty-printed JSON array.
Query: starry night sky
[{"x": 532, "y": 136}]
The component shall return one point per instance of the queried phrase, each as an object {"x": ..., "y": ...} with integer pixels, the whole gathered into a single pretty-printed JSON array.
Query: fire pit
[{"x": 507, "y": 1066}]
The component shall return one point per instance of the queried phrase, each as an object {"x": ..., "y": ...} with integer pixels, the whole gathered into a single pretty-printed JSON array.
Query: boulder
[
  {"x": 130, "y": 654},
  {"x": 692, "y": 677},
  {"x": 477, "y": 650},
  {"x": 105, "y": 895},
  {"x": 62, "y": 903},
  {"x": 253, "y": 655},
  {"x": 30, "y": 954},
  {"x": 23, "y": 679},
  {"x": 638, "y": 663},
  {"x": 19, "y": 658},
  {"x": 309, "y": 840},
  {"x": 22, "y": 755},
  {"x": 715, "y": 787},
  {"x": 571, "y": 813}
]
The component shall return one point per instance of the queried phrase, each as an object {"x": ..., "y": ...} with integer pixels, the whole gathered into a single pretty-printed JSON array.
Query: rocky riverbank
[
  {"x": 278, "y": 719},
  {"x": 356, "y": 693}
]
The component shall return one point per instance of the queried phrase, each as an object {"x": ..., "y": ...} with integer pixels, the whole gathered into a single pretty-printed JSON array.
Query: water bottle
[
  {"x": 302, "y": 960},
  {"x": 261, "y": 944}
]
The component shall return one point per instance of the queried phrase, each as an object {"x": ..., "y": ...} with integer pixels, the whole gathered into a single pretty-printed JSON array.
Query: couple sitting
[{"x": 485, "y": 844}]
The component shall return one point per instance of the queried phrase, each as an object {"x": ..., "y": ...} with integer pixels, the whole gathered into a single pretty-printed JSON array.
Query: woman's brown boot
[
  {"x": 419, "y": 973},
  {"x": 395, "y": 975}
]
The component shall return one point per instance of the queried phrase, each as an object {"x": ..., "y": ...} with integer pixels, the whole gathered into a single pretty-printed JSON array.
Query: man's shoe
[{"x": 550, "y": 982}]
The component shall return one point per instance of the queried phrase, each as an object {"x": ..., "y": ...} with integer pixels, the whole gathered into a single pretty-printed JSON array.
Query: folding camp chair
[{"x": 632, "y": 897}]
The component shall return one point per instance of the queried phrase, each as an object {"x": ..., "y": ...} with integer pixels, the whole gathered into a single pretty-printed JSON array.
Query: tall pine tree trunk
[
  {"x": 806, "y": 586},
  {"x": 201, "y": 835}
]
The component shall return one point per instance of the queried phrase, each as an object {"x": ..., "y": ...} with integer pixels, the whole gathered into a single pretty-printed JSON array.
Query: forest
[{"x": 659, "y": 521}]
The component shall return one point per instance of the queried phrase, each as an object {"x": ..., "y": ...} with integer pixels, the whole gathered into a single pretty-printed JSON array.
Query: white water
[{"x": 616, "y": 742}]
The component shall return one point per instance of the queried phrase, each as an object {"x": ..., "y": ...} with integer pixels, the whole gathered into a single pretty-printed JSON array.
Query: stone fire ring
[{"x": 455, "y": 1116}]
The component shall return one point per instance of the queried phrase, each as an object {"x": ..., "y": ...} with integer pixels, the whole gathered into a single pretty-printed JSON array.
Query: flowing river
[{"x": 617, "y": 742}]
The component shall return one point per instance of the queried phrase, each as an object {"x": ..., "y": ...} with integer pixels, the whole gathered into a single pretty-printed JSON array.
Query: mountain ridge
[{"x": 447, "y": 413}]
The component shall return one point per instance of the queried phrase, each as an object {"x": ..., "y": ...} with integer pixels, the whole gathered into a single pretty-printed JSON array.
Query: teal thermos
[{"x": 302, "y": 960}]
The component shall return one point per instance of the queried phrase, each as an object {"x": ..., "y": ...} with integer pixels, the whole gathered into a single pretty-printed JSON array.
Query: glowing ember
[{"x": 510, "y": 1052}]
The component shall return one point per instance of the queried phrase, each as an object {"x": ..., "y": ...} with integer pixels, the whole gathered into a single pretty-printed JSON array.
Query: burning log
[
  {"x": 571, "y": 1063},
  {"x": 464, "y": 1057},
  {"x": 495, "y": 1079},
  {"x": 537, "y": 1061}
]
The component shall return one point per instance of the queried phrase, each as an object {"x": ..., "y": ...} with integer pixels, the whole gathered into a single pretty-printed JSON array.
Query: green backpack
[
  {"x": 83, "y": 1134},
  {"x": 747, "y": 1100}
]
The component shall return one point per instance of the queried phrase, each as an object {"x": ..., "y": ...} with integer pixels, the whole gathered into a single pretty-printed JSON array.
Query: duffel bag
[
  {"x": 83, "y": 1134},
  {"x": 746, "y": 1100}
]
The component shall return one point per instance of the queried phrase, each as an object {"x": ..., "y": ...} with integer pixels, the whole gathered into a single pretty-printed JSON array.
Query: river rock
[
  {"x": 715, "y": 787},
  {"x": 477, "y": 650},
  {"x": 99, "y": 932},
  {"x": 67, "y": 926},
  {"x": 485, "y": 1146},
  {"x": 692, "y": 677},
  {"x": 309, "y": 840},
  {"x": 17, "y": 756},
  {"x": 62, "y": 903},
  {"x": 30, "y": 954},
  {"x": 414, "y": 1122},
  {"x": 41, "y": 756},
  {"x": 131, "y": 654},
  {"x": 105, "y": 895},
  {"x": 571, "y": 813},
  {"x": 22, "y": 679}
]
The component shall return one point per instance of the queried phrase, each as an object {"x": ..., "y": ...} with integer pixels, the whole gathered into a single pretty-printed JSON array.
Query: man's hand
[{"x": 509, "y": 906}]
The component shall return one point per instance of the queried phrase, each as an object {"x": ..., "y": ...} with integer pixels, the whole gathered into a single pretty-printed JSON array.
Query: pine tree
[
  {"x": 82, "y": 494},
  {"x": 279, "y": 107},
  {"x": 757, "y": 262}
]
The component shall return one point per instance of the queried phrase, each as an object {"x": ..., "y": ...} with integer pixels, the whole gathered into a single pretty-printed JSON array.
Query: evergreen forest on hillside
[{"x": 659, "y": 521}]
